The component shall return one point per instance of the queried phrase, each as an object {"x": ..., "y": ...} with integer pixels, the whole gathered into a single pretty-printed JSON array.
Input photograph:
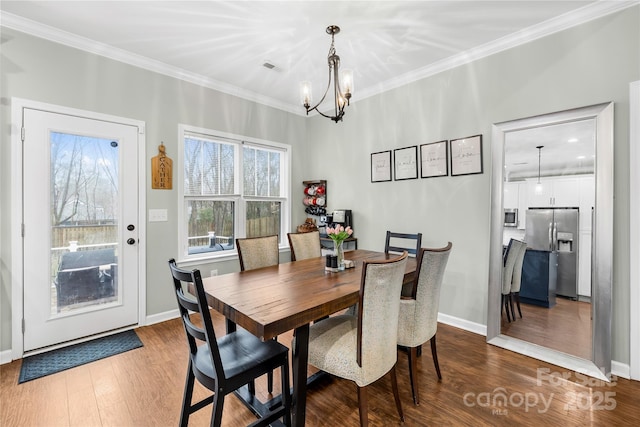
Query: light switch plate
[{"x": 157, "y": 215}]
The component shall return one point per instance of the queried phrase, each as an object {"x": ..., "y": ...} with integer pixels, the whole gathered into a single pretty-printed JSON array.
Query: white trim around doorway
[
  {"x": 18, "y": 257},
  {"x": 634, "y": 229}
]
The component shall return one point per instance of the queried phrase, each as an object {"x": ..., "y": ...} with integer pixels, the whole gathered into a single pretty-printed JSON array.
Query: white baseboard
[
  {"x": 466, "y": 325},
  {"x": 620, "y": 369},
  {"x": 162, "y": 317},
  {"x": 5, "y": 357}
]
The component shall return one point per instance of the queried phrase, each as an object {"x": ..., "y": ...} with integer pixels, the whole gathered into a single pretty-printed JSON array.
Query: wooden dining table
[{"x": 289, "y": 296}]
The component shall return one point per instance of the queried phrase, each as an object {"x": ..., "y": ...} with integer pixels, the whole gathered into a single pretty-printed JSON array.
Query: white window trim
[{"x": 239, "y": 214}]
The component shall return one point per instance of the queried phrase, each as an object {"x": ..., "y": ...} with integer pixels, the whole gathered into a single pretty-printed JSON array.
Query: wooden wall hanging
[{"x": 161, "y": 170}]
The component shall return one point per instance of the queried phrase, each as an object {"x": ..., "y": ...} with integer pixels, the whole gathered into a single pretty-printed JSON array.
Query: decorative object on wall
[
  {"x": 434, "y": 159},
  {"x": 315, "y": 197},
  {"x": 405, "y": 162},
  {"x": 342, "y": 89},
  {"x": 466, "y": 155},
  {"x": 161, "y": 170},
  {"x": 381, "y": 166}
]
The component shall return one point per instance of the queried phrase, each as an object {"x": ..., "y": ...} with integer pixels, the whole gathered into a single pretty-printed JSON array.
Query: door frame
[
  {"x": 634, "y": 252},
  {"x": 17, "y": 247}
]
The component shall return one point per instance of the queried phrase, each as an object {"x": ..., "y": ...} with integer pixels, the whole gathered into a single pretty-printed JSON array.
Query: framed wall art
[
  {"x": 381, "y": 166},
  {"x": 434, "y": 159},
  {"x": 466, "y": 155},
  {"x": 405, "y": 161}
]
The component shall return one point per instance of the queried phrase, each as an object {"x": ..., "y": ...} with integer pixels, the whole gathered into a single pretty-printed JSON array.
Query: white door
[{"x": 80, "y": 204}]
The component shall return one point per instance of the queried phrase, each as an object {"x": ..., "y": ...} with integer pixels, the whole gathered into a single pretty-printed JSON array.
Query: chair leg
[
  {"x": 286, "y": 393},
  {"x": 218, "y": 405},
  {"x": 516, "y": 295},
  {"x": 270, "y": 382},
  {"x": 362, "y": 406},
  {"x": 186, "y": 398},
  {"x": 396, "y": 395},
  {"x": 270, "y": 376},
  {"x": 413, "y": 373},
  {"x": 513, "y": 312},
  {"x": 434, "y": 354},
  {"x": 505, "y": 307}
]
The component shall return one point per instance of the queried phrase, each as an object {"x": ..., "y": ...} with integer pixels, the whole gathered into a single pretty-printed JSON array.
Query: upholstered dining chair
[
  {"x": 257, "y": 252},
  {"x": 512, "y": 253},
  {"x": 418, "y": 319},
  {"x": 227, "y": 363},
  {"x": 304, "y": 245},
  {"x": 362, "y": 348},
  {"x": 516, "y": 280}
]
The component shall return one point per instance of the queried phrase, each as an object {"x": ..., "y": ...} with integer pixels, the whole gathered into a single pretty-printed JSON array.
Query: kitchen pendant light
[
  {"x": 539, "y": 184},
  {"x": 341, "y": 95}
]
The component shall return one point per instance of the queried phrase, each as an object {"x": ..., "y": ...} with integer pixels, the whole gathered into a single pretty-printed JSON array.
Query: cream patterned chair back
[
  {"x": 509, "y": 264},
  {"x": 258, "y": 252},
  {"x": 304, "y": 245},
  {"x": 378, "y": 318},
  {"x": 517, "y": 267},
  {"x": 419, "y": 316}
]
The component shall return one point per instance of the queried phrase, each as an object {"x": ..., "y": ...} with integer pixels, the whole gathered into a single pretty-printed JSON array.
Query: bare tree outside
[{"x": 84, "y": 183}]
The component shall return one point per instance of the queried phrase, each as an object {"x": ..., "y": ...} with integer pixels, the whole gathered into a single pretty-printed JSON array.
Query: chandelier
[
  {"x": 341, "y": 94},
  {"x": 538, "y": 188}
]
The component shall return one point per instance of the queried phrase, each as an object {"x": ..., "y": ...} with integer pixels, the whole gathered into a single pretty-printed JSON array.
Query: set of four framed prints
[{"x": 462, "y": 156}]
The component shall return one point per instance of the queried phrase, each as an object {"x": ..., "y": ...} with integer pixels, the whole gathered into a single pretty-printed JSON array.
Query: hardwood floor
[
  {"x": 565, "y": 327},
  {"x": 482, "y": 386}
]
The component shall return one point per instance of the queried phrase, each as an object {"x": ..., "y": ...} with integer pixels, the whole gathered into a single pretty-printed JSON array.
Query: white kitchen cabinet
[
  {"x": 523, "y": 205},
  {"x": 587, "y": 193},
  {"x": 584, "y": 264},
  {"x": 554, "y": 192},
  {"x": 515, "y": 197},
  {"x": 511, "y": 195}
]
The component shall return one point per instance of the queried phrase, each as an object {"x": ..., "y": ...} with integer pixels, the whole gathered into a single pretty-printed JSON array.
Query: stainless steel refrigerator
[{"x": 556, "y": 230}]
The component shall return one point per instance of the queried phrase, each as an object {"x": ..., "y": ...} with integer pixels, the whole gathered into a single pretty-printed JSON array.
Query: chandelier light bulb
[
  {"x": 305, "y": 93},
  {"x": 347, "y": 81}
]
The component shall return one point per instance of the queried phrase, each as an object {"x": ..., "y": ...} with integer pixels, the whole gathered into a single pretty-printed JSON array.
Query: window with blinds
[{"x": 232, "y": 188}]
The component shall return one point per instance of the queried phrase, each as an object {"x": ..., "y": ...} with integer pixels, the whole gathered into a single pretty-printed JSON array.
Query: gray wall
[
  {"x": 589, "y": 64},
  {"x": 585, "y": 65}
]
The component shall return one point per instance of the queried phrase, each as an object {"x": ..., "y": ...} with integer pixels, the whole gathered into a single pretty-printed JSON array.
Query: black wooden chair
[
  {"x": 224, "y": 365},
  {"x": 257, "y": 252},
  {"x": 399, "y": 242}
]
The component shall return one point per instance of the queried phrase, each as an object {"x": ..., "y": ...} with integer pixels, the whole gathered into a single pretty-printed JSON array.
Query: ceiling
[
  {"x": 567, "y": 149},
  {"x": 225, "y": 44}
]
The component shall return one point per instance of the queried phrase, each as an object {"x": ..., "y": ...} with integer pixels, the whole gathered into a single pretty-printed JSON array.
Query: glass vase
[{"x": 339, "y": 252}]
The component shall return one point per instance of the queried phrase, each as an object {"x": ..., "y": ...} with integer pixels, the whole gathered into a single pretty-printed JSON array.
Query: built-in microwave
[{"x": 511, "y": 217}]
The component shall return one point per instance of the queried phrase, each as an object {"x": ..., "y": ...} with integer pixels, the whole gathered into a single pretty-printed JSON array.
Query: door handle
[{"x": 131, "y": 241}]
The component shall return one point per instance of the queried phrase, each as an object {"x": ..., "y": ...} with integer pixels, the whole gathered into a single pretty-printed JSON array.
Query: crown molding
[
  {"x": 91, "y": 46},
  {"x": 580, "y": 16},
  {"x": 585, "y": 14}
]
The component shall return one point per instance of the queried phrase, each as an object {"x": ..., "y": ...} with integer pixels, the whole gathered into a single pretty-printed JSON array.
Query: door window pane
[{"x": 84, "y": 221}]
